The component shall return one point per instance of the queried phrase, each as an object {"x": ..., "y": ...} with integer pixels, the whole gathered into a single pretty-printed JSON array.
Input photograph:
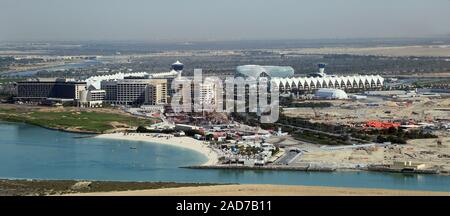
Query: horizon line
[{"x": 447, "y": 36}]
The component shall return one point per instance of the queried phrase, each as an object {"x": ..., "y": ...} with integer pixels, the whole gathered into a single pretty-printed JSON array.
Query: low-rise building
[
  {"x": 185, "y": 127},
  {"x": 407, "y": 165},
  {"x": 92, "y": 98}
]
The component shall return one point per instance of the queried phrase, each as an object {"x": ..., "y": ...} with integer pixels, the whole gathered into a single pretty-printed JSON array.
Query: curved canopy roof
[{"x": 271, "y": 71}]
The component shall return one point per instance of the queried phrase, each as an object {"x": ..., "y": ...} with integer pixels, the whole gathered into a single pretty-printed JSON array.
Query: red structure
[{"x": 382, "y": 125}]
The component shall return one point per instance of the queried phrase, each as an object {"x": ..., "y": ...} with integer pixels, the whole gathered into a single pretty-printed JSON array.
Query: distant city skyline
[{"x": 211, "y": 20}]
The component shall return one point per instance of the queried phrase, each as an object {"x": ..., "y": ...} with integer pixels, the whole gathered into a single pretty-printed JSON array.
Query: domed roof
[
  {"x": 177, "y": 66},
  {"x": 177, "y": 63},
  {"x": 271, "y": 71},
  {"x": 331, "y": 93}
]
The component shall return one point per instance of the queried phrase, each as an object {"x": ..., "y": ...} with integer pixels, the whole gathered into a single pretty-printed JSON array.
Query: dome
[
  {"x": 177, "y": 63},
  {"x": 331, "y": 94},
  {"x": 271, "y": 71}
]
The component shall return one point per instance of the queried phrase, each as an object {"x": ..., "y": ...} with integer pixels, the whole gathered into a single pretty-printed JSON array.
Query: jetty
[{"x": 285, "y": 168}]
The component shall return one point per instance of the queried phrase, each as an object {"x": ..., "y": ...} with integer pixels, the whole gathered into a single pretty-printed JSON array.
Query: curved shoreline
[{"x": 181, "y": 142}]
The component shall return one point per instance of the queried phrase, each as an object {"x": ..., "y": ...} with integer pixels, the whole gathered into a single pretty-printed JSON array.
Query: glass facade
[{"x": 271, "y": 71}]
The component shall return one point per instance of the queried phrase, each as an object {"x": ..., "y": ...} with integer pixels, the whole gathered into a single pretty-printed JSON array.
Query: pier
[{"x": 285, "y": 168}]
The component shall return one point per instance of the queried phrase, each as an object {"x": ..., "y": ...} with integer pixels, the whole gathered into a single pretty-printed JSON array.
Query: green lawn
[
  {"x": 96, "y": 122},
  {"x": 10, "y": 80}
]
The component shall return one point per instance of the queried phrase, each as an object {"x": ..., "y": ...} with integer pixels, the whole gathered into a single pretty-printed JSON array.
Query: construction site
[
  {"x": 432, "y": 154},
  {"x": 353, "y": 112},
  {"x": 380, "y": 111}
]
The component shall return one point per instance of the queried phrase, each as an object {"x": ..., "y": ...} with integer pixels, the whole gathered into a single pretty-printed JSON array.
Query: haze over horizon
[{"x": 195, "y": 20}]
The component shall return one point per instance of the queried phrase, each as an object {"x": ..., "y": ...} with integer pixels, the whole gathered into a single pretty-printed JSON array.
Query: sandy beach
[
  {"x": 182, "y": 142},
  {"x": 266, "y": 190}
]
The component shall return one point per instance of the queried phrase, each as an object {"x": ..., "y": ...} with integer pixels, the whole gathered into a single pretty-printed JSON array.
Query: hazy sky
[{"x": 185, "y": 20}]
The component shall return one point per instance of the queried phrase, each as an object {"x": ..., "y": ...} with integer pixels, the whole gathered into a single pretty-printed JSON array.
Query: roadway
[
  {"x": 354, "y": 146},
  {"x": 288, "y": 158}
]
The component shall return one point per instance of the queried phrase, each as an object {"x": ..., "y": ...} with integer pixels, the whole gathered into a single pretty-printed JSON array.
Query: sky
[{"x": 198, "y": 20}]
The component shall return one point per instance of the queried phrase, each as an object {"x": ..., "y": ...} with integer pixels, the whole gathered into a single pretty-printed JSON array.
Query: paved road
[
  {"x": 288, "y": 157},
  {"x": 353, "y": 146}
]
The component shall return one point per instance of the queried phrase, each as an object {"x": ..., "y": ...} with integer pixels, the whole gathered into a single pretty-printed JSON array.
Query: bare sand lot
[
  {"x": 424, "y": 151},
  {"x": 266, "y": 190},
  {"x": 429, "y": 51},
  {"x": 348, "y": 112}
]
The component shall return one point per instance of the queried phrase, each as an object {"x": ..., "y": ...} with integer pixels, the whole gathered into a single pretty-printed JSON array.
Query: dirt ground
[
  {"x": 421, "y": 151},
  {"x": 431, "y": 51},
  {"x": 349, "y": 112}
]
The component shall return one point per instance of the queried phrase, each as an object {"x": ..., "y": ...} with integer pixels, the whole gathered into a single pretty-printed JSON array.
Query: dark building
[
  {"x": 111, "y": 90},
  {"x": 49, "y": 88}
]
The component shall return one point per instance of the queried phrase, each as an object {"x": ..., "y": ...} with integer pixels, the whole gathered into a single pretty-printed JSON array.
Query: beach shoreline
[
  {"x": 265, "y": 190},
  {"x": 181, "y": 142}
]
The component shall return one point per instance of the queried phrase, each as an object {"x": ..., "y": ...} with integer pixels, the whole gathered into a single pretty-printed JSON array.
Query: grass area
[
  {"x": 9, "y": 80},
  {"x": 430, "y": 83},
  {"x": 53, "y": 187},
  {"x": 84, "y": 121}
]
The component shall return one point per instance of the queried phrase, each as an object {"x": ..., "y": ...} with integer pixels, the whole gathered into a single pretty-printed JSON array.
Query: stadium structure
[{"x": 288, "y": 83}]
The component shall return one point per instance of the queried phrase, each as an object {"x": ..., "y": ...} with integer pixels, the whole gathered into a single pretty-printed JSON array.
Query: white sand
[
  {"x": 182, "y": 142},
  {"x": 264, "y": 190}
]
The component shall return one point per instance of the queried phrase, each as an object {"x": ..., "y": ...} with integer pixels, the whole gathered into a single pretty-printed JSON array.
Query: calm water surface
[{"x": 36, "y": 153}]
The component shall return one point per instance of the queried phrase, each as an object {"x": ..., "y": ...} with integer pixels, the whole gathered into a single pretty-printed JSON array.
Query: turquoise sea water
[{"x": 30, "y": 152}]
